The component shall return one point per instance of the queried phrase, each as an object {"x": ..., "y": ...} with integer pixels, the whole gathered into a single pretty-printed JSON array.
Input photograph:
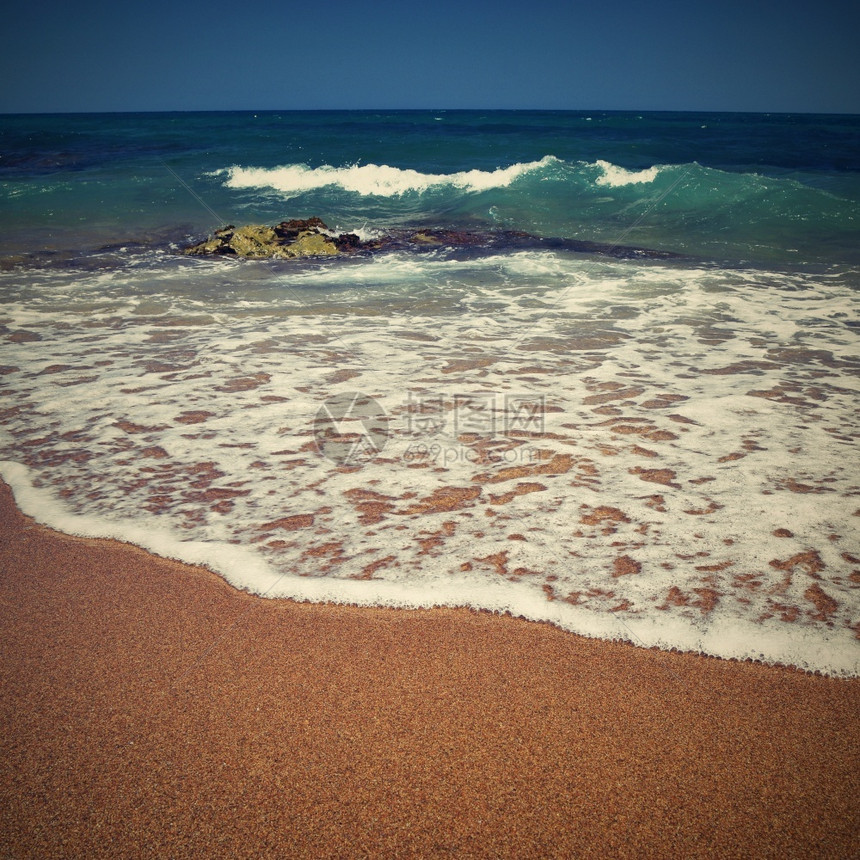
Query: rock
[
  {"x": 287, "y": 240},
  {"x": 253, "y": 241},
  {"x": 349, "y": 242},
  {"x": 425, "y": 238},
  {"x": 310, "y": 237},
  {"x": 10, "y": 262},
  {"x": 292, "y": 229},
  {"x": 309, "y": 245}
]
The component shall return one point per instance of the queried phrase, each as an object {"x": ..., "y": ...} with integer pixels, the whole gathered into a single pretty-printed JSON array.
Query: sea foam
[
  {"x": 726, "y": 637},
  {"x": 615, "y": 176},
  {"x": 654, "y": 505},
  {"x": 380, "y": 180}
]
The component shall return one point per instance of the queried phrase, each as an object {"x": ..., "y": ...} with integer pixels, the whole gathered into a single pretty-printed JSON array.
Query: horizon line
[{"x": 426, "y": 110}]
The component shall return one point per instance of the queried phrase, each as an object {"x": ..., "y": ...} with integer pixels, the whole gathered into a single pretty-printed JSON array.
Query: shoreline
[{"x": 151, "y": 709}]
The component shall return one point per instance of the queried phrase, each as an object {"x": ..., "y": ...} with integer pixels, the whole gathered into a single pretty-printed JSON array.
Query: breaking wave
[
  {"x": 380, "y": 180},
  {"x": 615, "y": 176}
]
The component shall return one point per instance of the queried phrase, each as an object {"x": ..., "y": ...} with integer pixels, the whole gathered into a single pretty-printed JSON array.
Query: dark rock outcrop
[{"x": 312, "y": 238}]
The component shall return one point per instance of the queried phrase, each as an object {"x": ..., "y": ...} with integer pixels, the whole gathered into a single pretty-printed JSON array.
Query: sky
[{"x": 725, "y": 55}]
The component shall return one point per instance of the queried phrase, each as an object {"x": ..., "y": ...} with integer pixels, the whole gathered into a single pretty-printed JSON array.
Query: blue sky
[{"x": 95, "y": 55}]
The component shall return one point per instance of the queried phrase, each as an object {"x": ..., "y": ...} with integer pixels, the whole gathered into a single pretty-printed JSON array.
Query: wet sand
[{"x": 150, "y": 710}]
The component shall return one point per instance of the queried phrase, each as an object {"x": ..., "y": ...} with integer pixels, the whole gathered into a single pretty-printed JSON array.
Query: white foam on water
[
  {"x": 615, "y": 176},
  {"x": 379, "y": 180},
  {"x": 691, "y": 484},
  {"x": 244, "y": 569}
]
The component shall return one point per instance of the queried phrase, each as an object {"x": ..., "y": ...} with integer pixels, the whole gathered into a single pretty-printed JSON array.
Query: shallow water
[{"x": 657, "y": 450}]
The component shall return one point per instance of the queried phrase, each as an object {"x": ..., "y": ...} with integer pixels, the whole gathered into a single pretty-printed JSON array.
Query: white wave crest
[
  {"x": 615, "y": 176},
  {"x": 378, "y": 180}
]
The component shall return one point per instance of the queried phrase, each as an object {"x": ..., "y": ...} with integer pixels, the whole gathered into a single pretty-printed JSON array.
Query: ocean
[{"x": 653, "y": 438}]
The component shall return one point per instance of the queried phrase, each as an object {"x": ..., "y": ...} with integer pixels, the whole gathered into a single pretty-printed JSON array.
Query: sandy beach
[{"x": 150, "y": 710}]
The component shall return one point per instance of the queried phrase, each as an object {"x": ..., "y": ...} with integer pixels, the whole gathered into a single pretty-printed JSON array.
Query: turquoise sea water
[
  {"x": 656, "y": 449},
  {"x": 775, "y": 188}
]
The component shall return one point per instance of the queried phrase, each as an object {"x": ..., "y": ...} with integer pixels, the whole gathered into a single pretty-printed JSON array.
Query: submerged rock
[{"x": 312, "y": 238}]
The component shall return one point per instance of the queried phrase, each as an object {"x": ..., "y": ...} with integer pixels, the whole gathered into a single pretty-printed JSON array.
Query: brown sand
[{"x": 149, "y": 710}]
